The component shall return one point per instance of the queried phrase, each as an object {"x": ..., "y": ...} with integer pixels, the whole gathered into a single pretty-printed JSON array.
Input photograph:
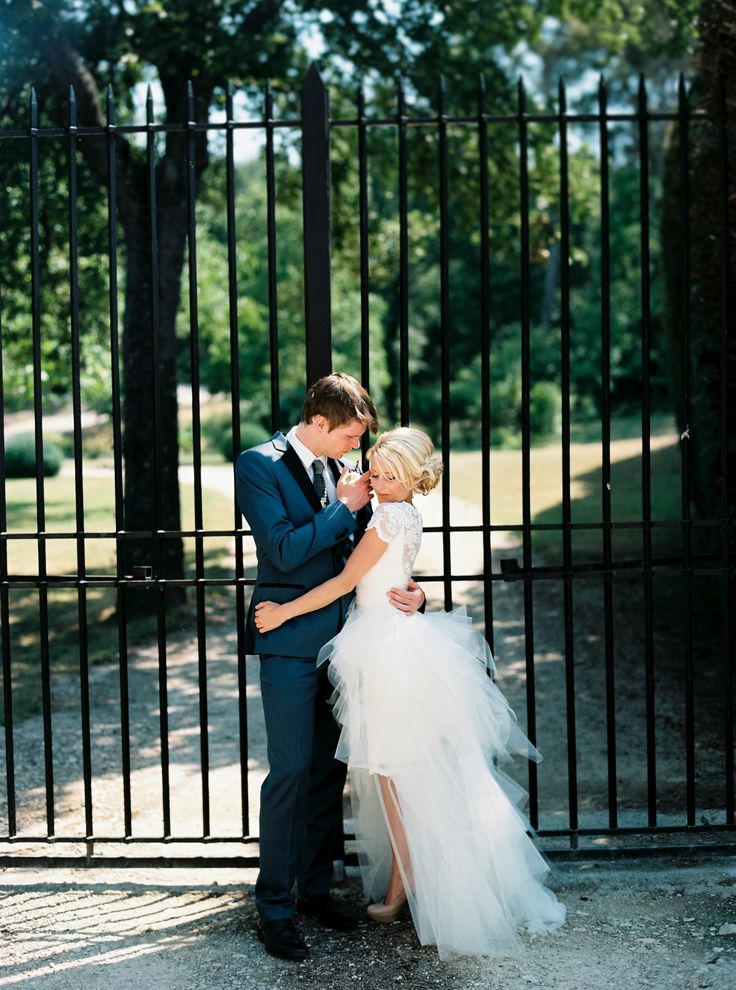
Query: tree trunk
[
  {"x": 704, "y": 293},
  {"x": 150, "y": 442},
  {"x": 150, "y": 438}
]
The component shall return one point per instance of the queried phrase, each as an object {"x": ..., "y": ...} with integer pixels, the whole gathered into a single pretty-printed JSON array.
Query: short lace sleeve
[{"x": 387, "y": 520}]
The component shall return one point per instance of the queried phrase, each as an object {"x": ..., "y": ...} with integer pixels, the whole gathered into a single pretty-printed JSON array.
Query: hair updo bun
[
  {"x": 430, "y": 474},
  {"x": 409, "y": 455}
]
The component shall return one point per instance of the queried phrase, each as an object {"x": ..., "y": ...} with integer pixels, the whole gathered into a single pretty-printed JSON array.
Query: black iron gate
[{"x": 502, "y": 572}]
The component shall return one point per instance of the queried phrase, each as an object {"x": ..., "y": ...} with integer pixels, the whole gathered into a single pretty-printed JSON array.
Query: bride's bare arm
[{"x": 371, "y": 548}]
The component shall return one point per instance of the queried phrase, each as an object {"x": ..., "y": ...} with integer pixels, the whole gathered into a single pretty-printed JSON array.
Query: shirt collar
[{"x": 303, "y": 452}]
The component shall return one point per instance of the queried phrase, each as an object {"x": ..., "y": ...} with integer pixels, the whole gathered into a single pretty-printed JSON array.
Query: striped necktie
[{"x": 319, "y": 480}]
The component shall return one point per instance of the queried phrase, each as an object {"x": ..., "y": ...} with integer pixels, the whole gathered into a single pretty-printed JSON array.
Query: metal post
[
  {"x": 401, "y": 121},
  {"x": 683, "y": 113},
  {"x": 232, "y": 281},
  {"x": 316, "y": 199},
  {"x": 485, "y": 348},
  {"x": 567, "y": 556},
  {"x": 526, "y": 471},
  {"x": 43, "y": 587},
  {"x": 646, "y": 452},
  {"x": 605, "y": 243},
  {"x": 727, "y": 594}
]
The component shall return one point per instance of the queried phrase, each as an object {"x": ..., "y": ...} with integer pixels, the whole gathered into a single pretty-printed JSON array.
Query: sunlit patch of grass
[{"x": 586, "y": 491}]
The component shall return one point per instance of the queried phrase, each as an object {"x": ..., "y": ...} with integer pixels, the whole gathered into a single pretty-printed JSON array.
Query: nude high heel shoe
[{"x": 386, "y": 913}]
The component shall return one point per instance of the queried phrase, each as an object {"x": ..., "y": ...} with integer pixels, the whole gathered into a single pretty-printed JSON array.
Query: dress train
[{"x": 415, "y": 704}]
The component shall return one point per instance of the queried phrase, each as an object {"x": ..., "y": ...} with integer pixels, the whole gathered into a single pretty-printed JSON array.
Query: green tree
[
  {"x": 117, "y": 44},
  {"x": 61, "y": 44},
  {"x": 253, "y": 298}
]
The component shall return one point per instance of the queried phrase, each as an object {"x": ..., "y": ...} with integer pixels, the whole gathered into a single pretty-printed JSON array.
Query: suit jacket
[{"x": 299, "y": 544}]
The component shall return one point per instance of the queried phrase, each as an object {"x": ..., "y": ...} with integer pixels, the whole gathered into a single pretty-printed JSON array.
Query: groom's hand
[
  {"x": 408, "y": 601},
  {"x": 354, "y": 494}
]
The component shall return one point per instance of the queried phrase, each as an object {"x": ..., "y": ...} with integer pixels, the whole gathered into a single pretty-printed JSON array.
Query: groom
[{"x": 305, "y": 518}]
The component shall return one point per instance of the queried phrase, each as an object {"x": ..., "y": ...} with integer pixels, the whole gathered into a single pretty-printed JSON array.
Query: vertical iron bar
[
  {"x": 5, "y": 610},
  {"x": 485, "y": 362},
  {"x": 273, "y": 316},
  {"x": 445, "y": 342},
  {"x": 646, "y": 470},
  {"x": 40, "y": 493},
  {"x": 531, "y": 713},
  {"x": 726, "y": 536},
  {"x": 606, "y": 455},
  {"x": 316, "y": 199},
  {"x": 163, "y": 694},
  {"x": 572, "y": 770},
  {"x": 684, "y": 136},
  {"x": 197, "y": 457},
  {"x": 403, "y": 255},
  {"x": 78, "y": 466},
  {"x": 155, "y": 337},
  {"x": 232, "y": 282},
  {"x": 160, "y": 609},
  {"x": 117, "y": 443},
  {"x": 365, "y": 339}
]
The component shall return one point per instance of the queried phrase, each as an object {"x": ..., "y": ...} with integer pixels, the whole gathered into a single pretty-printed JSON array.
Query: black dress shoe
[
  {"x": 324, "y": 910},
  {"x": 281, "y": 939}
]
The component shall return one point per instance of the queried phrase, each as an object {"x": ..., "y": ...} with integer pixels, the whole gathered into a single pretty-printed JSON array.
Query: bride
[{"x": 423, "y": 729}]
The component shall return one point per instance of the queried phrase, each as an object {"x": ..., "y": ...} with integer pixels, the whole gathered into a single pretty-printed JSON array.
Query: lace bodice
[{"x": 400, "y": 525}]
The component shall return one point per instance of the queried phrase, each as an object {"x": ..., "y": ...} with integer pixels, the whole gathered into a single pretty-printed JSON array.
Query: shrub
[
  {"x": 65, "y": 441},
  {"x": 545, "y": 404},
  {"x": 20, "y": 457}
]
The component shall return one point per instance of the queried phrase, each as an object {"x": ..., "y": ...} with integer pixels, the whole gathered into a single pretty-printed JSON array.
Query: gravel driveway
[{"x": 646, "y": 924}]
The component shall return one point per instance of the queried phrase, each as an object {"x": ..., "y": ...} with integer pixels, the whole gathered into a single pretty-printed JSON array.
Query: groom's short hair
[{"x": 340, "y": 399}]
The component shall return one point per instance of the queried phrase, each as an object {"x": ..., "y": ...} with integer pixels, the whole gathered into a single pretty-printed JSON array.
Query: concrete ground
[{"x": 661, "y": 924}]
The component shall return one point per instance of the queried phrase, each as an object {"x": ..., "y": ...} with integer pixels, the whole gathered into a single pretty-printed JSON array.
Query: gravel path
[{"x": 653, "y": 925}]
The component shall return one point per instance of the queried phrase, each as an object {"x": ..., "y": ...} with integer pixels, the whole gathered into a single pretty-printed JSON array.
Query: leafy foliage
[
  {"x": 20, "y": 457},
  {"x": 124, "y": 44}
]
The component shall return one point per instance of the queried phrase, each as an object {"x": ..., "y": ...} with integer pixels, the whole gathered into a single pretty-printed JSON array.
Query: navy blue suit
[{"x": 299, "y": 545}]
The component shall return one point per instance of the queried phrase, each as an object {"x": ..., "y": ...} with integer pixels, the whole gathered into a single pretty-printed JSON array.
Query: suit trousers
[{"x": 301, "y": 798}]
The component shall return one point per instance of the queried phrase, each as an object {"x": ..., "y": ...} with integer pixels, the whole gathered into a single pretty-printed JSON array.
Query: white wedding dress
[{"x": 415, "y": 704}]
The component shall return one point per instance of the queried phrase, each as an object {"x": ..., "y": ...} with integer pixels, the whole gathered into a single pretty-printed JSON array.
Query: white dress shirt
[{"x": 306, "y": 456}]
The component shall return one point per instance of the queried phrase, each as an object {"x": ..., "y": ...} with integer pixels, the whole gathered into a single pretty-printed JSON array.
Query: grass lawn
[{"x": 586, "y": 487}]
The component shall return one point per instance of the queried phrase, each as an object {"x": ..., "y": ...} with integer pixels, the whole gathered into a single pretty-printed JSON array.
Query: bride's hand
[{"x": 268, "y": 616}]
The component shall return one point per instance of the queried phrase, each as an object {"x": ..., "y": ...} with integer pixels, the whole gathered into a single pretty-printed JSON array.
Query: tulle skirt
[{"x": 415, "y": 705}]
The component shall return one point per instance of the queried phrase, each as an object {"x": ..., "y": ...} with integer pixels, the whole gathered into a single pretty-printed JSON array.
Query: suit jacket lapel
[
  {"x": 335, "y": 468},
  {"x": 297, "y": 469}
]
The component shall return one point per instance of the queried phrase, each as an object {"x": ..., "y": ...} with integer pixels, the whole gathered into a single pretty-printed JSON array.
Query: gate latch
[{"x": 142, "y": 572}]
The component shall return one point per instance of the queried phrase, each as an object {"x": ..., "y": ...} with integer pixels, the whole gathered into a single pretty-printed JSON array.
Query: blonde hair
[{"x": 409, "y": 456}]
